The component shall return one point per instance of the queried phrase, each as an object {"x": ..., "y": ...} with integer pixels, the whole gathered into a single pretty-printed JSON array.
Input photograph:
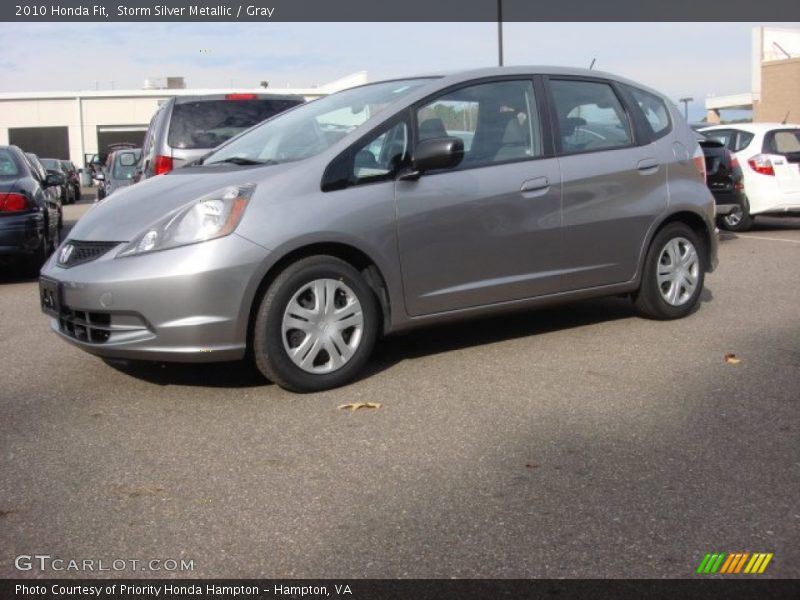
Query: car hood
[{"x": 125, "y": 214}]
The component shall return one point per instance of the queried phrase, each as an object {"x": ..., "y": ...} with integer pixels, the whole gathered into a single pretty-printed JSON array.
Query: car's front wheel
[
  {"x": 739, "y": 219},
  {"x": 673, "y": 275},
  {"x": 316, "y": 325}
]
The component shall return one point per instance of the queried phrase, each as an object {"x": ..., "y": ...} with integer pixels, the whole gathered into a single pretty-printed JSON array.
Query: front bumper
[{"x": 187, "y": 304}]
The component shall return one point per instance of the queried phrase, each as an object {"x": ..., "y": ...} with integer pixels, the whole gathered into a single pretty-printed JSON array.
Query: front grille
[
  {"x": 75, "y": 253},
  {"x": 92, "y": 327}
]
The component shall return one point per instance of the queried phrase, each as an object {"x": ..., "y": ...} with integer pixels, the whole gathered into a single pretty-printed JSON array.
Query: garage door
[
  {"x": 111, "y": 134},
  {"x": 46, "y": 142}
]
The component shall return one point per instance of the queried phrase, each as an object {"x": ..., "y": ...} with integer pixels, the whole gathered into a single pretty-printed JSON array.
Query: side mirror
[
  {"x": 55, "y": 178},
  {"x": 99, "y": 177},
  {"x": 438, "y": 153}
]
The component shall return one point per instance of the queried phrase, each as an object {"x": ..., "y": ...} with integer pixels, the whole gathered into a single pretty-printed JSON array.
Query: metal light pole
[
  {"x": 685, "y": 107},
  {"x": 500, "y": 32}
]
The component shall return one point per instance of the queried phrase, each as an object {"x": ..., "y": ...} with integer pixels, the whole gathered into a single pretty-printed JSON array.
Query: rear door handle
[
  {"x": 647, "y": 166},
  {"x": 535, "y": 187}
]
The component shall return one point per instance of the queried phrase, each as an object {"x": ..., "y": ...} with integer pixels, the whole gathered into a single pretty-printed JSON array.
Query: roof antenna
[
  {"x": 591, "y": 66},
  {"x": 786, "y": 118}
]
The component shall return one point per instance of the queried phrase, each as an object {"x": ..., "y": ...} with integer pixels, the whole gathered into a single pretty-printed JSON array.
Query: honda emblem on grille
[{"x": 65, "y": 253}]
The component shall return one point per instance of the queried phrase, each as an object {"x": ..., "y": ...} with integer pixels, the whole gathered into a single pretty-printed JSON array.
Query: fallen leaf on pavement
[
  {"x": 731, "y": 359},
  {"x": 357, "y": 405},
  {"x": 531, "y": 465}
]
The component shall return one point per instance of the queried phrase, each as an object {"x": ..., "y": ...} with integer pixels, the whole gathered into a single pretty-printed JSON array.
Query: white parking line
[{"x": 771, "y": 239}]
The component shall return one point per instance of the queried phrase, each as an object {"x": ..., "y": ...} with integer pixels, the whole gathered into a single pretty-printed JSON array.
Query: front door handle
[{"x": 535, "y": 187}]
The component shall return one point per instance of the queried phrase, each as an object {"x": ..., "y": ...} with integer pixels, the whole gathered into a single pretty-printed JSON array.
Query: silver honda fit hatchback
[{"x": 389, "y": 206}]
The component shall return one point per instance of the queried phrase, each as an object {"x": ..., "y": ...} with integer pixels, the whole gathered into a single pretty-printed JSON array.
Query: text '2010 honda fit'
[{"x": 389, "y": 206}]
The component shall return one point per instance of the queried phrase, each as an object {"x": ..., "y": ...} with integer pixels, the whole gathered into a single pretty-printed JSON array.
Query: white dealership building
[{"x": 72, "y": 125}]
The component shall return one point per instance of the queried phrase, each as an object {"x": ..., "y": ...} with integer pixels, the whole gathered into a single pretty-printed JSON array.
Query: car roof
[{"x": 753, "y": 127}]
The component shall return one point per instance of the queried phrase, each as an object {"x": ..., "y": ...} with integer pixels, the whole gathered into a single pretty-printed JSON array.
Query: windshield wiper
[{"x": 241, "y": 160}]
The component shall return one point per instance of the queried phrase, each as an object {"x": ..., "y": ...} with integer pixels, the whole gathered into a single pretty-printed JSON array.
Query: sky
[{"x": 679, "y": 59}]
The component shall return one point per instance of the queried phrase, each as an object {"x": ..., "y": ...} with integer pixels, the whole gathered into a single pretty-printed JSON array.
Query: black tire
[
  {"x": 101, "y": 193},
  {"x": 649, "y": 299},
  {"x": 77, "y": 196},
  {"x": 35, "y": 262},
  {"x": 740, "y": 220},
  {"x": 269, "y": 351}
]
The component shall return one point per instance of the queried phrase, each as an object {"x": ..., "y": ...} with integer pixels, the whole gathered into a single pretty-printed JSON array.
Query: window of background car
[
  {"x": 8, "y": 166},
  {"x": 314, "y": 127},
  {"x": 497, "y": 121},
  {"x": 208, "y": 123},
  {"x": 125, "y": 165},
  {"x": 741, "y": 140},
  {"x": 723, "y": 136},
  {"x": 590, "y": 116},
  {"x": 786, "y": 141},
  {"x": 655, "y": 111}
]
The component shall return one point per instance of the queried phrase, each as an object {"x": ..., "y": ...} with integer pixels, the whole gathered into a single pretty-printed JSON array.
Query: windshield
[{"x": 313, "y": 127}]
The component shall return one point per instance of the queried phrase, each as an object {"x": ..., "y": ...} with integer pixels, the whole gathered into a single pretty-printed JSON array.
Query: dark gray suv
[
  {"x": 390, "y": 206},
  {"x": 185, "y": 128}
]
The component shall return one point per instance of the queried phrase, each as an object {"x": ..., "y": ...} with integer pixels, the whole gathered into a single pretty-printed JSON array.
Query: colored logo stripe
[{"x": 734, "y": 563}]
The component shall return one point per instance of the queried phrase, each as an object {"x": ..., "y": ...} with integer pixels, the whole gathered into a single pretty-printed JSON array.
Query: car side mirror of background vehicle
[
  {"x": 437, "y": 153},
  {"x": 55, "y": 178},
  {"x": 99, "y": 177}
]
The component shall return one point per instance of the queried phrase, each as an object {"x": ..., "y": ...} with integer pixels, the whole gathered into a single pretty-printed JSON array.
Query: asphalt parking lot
[{"x": 579, "y": 441}]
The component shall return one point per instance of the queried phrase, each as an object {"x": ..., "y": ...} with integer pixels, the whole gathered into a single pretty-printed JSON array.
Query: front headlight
[{"x": 212, "y": 216}]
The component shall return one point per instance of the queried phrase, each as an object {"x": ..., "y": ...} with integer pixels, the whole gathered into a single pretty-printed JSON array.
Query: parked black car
[
  {"x": 724, "y": 178},
  {"x": 73, "y": 178},
  {"x": 67, "y": 190},
  {"x": 30, "y": 209}
]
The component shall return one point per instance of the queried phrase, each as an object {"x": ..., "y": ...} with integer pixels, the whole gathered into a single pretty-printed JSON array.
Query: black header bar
[{"x": 402, "y": 10}]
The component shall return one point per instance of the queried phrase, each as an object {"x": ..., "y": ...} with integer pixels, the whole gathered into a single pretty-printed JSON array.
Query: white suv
[{"x": 770, "y": 157}]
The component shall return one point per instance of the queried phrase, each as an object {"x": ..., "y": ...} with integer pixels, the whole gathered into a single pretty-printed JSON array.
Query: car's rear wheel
[
  {"x": 35, "y": 261},
  {"x": 737, "y": 220},
  {"x": 674, "y": 273},
  {"x": 316, "y": 325}
]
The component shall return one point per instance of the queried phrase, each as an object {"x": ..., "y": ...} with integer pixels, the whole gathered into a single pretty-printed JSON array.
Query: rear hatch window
[
  {"x": 8, "y": 166},
  {"x": 785, "y": 142},
  {"x": 208, "y": 123},
  {"x": 125, "y": 164}
]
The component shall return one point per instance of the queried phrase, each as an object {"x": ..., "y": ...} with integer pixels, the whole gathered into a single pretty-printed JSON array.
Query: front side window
[
  {"x": 314, "y": 127},
  {"x": 496, "y": 121},
  {"x": 590, "y": 116}
]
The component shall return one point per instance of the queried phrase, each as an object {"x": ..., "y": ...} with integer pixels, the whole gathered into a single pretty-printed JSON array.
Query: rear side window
[
  {"x": 590, "y": 116},
  {"x": 655, "y": 111},
  {"x": 742, "y": 140},
  {"x": 786, "y": 141},
  {"x": 8, "y": 166},
  {"x": 208, "y": 123}
]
